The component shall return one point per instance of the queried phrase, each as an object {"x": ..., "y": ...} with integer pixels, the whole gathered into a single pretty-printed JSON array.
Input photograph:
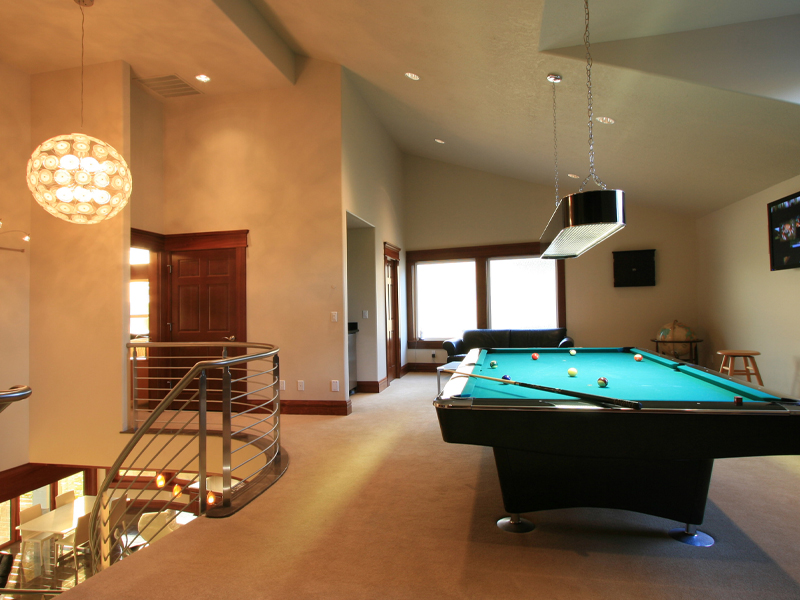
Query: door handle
[{"x": 230, "y": 339}]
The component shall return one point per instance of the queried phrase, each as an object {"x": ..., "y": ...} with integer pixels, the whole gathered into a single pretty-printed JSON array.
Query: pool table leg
[
  {"x": 690, "y": 535},
  {"x": 515, "y": 524}
]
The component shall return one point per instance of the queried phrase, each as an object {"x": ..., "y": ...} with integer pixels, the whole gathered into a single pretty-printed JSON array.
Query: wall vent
[{"x": 168, "y": 86}]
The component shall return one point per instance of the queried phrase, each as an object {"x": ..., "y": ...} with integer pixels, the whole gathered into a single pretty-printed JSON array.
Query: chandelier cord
[
  {"x": 555, "y": 138},
  {"x": 83, "y": 32},
  {"x": 592, "y": 175}
]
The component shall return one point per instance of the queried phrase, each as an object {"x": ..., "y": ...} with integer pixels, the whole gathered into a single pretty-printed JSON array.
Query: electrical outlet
[
  {"x": 283, "y": 385},
  {"x": 334, "y": 385},
  {"x": 334, "y": 316},
  {"x": 365, "y": 314},
  {"x": 433, "y": 354},
  {"x": 301, "y": 385}
]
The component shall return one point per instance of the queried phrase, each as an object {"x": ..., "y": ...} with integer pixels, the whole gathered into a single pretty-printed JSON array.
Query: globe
[{"x": 676, "y": 332}]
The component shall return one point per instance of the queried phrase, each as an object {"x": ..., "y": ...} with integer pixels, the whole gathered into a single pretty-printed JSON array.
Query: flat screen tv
[{"x": 784, "y": 232}]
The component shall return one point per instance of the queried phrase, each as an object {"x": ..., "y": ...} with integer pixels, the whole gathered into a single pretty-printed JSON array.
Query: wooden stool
[{"x": 750, "y": 367}]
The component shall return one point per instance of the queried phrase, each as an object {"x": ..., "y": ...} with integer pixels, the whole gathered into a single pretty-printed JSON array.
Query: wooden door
[
  {"x": 203, "y": 293},
  {"x": 391, "y": 262},
  {"x": 205, "y": 288}
]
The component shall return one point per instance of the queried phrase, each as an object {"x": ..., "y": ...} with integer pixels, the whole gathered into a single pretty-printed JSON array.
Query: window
[
  {"x": 73, "y": 482},
  {"x": 140, "y": 293},
  {"x": 438, "y": 316},
  {"x": 522, "y": 293},
  {"x": 5, "y": 523},
  {"x": 483, "y": 287}
]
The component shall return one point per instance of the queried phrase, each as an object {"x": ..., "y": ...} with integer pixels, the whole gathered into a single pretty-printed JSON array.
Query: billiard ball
[
  {"x": 738, "y": 401},
  {"x": 602, "y": 382},
  {"x": 507, "y": 377},
  {"x": 493, "y": 364},
  {"x": 573, "y": 352},
  {"x": 535, "y": 356},
  {"x": 638, "y": 358},
  {"x": 572, "y": 371}
]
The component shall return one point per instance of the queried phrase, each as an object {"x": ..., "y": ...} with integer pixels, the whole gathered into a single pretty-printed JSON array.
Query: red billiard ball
[
  {"x": 535, "y": 356},
  {"x": 602, "y": 382},
  {"x": 638, "y": 358}
]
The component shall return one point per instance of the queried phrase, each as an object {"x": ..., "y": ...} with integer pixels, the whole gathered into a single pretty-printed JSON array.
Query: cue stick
[{"x": 583, "y": 396}]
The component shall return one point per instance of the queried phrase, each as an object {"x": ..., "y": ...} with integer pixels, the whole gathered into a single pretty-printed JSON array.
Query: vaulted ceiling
[{"x": 706, "y": 97}]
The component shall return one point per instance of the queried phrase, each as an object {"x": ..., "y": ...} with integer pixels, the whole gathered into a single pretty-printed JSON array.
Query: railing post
[
  {"x": 131, "y": 418},
  {"x": 226, "y": 436},
  {"x": 104, "y": 517},
  {"x": 201, "y": 467}
]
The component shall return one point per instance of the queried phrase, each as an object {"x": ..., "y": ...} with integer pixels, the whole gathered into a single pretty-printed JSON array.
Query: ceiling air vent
[{"x": 168, "y": 86}]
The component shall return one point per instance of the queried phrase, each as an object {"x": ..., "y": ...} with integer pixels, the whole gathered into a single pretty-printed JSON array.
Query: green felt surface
[{"x": 655, "y": 378}]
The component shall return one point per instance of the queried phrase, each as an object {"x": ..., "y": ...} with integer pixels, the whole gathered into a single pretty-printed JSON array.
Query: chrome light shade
[{"x": 583, "y": 220}]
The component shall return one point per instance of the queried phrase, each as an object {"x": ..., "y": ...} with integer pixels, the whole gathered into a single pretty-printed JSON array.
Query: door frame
[
  {"x": 163, "y": 245},
  {"x": 391, "y": 259}
]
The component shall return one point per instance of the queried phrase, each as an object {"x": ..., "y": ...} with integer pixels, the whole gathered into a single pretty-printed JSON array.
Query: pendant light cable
[
  {"x": 83, "y": 33},
  {"x": 592, "y": 175}
]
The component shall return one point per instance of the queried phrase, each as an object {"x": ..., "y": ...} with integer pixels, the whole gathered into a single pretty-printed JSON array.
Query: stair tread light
[
  {"x": 79, "y": 178},
  {"x": 583, "y": 220},
  {"x": 76, "y": 177}
]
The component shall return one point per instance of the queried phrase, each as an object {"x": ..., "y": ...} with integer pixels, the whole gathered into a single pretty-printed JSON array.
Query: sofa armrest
[
  {"x": 454, "y": 347},
  {"x": 567, "y": 342}
]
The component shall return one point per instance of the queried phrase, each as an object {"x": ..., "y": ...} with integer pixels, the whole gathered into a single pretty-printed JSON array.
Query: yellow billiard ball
[
  {"x": 573, "y": 352},
  {"x": 572, "y": 371}
]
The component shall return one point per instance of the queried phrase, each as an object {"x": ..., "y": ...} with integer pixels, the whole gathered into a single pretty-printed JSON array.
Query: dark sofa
[{"x": 457, "y": 348}]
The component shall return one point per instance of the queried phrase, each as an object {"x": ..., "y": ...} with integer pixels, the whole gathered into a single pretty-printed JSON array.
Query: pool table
[{"x": 556, "y": 451}]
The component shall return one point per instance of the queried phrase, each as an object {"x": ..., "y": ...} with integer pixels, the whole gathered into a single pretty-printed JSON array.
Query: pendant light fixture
[
  {"x": 583, "y": 220},
  {"x": 76, "y": 177}
]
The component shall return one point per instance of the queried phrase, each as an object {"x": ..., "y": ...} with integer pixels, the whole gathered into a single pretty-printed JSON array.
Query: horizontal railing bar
[
  {"x": 243, "y": 463},
  {"x": 246, "y": 444},
  {"x": 255, "y": 391},
  {"x": 30, "y": 592},
  {"x": 16, "y": 392},
  {"x": 256, "y": 423},
  {"x": 269, "y": 464}
]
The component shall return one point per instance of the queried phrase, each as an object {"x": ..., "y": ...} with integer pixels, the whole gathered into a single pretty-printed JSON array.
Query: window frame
[{"x": 481, "y": 256}]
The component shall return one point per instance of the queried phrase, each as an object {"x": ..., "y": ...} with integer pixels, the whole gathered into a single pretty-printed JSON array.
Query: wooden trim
[
  {"x": 481, "y": 256},
  {"x": 316, "y": 407},
  {"x": 404, "y": 370},
  {"x": 494, "y": 251},
  {"x": 481, "y": 291},
  {"x": 561, "y": 296},
  {"x": 241, "y": 292},
  {"x": 372, "y": 387},
  {"x": 206, "y": 240},
  {"x": 30, "y": 476},
  {"x": 391, "y": 251},
  {"x": 147, "y": 239}
]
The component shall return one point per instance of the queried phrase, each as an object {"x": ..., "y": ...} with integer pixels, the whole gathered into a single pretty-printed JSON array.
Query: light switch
[{"x": 365, "y": 314}]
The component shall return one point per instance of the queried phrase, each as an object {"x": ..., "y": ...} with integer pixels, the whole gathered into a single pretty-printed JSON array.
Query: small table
[
  {"x": 62, "y": 520},
  {"x": 451, "y": 366},
  {"x": 692, "y": 348}
]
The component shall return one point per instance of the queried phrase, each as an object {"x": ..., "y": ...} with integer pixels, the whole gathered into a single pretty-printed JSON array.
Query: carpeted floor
[{"x": 376, "y": 506}]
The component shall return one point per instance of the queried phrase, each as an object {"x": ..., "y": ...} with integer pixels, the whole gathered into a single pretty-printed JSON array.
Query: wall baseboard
[
  {"x": 423, "y": 367},
  {"x": 404, "y": 370},
  {"x": 316, "y": 407},
  {"x": 372, "y": 387}
]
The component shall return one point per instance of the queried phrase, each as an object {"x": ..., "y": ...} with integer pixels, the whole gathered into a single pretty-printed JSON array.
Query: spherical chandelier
[
  {"x": 76, "y": 177},
  {"x": 79, "y": 178}
]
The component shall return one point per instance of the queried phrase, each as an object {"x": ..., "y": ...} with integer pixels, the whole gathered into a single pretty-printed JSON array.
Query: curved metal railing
[
  {"x": 15, "y": 394},
  {"x": 170, "y": 470}
]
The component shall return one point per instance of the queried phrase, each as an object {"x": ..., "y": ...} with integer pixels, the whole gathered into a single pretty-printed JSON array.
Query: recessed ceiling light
[
  {"x": 605, "y": 120},
  {"x": 413, "y": 76},
  {"x": 203, "y": 78},
  {"x": 573, "y": 176},
  {"x": 438, "y": 141}
]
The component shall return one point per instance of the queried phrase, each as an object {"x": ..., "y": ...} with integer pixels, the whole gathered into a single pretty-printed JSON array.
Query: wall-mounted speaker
[{"x": 634, "y": 268}]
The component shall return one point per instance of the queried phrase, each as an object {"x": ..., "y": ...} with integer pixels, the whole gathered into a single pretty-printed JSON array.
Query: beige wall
[
  {"x": 372, "y": 189},
  {"x": 598, "y": 314},
  {"x": 146, "y": 161},
  {"x": 270, "y": 162},
  {"x": 742, "y": 304},
  {"x": 79, "y": 275},
  {"x": 450, "y": 206},
  {"x": 15, "y": 211}
]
